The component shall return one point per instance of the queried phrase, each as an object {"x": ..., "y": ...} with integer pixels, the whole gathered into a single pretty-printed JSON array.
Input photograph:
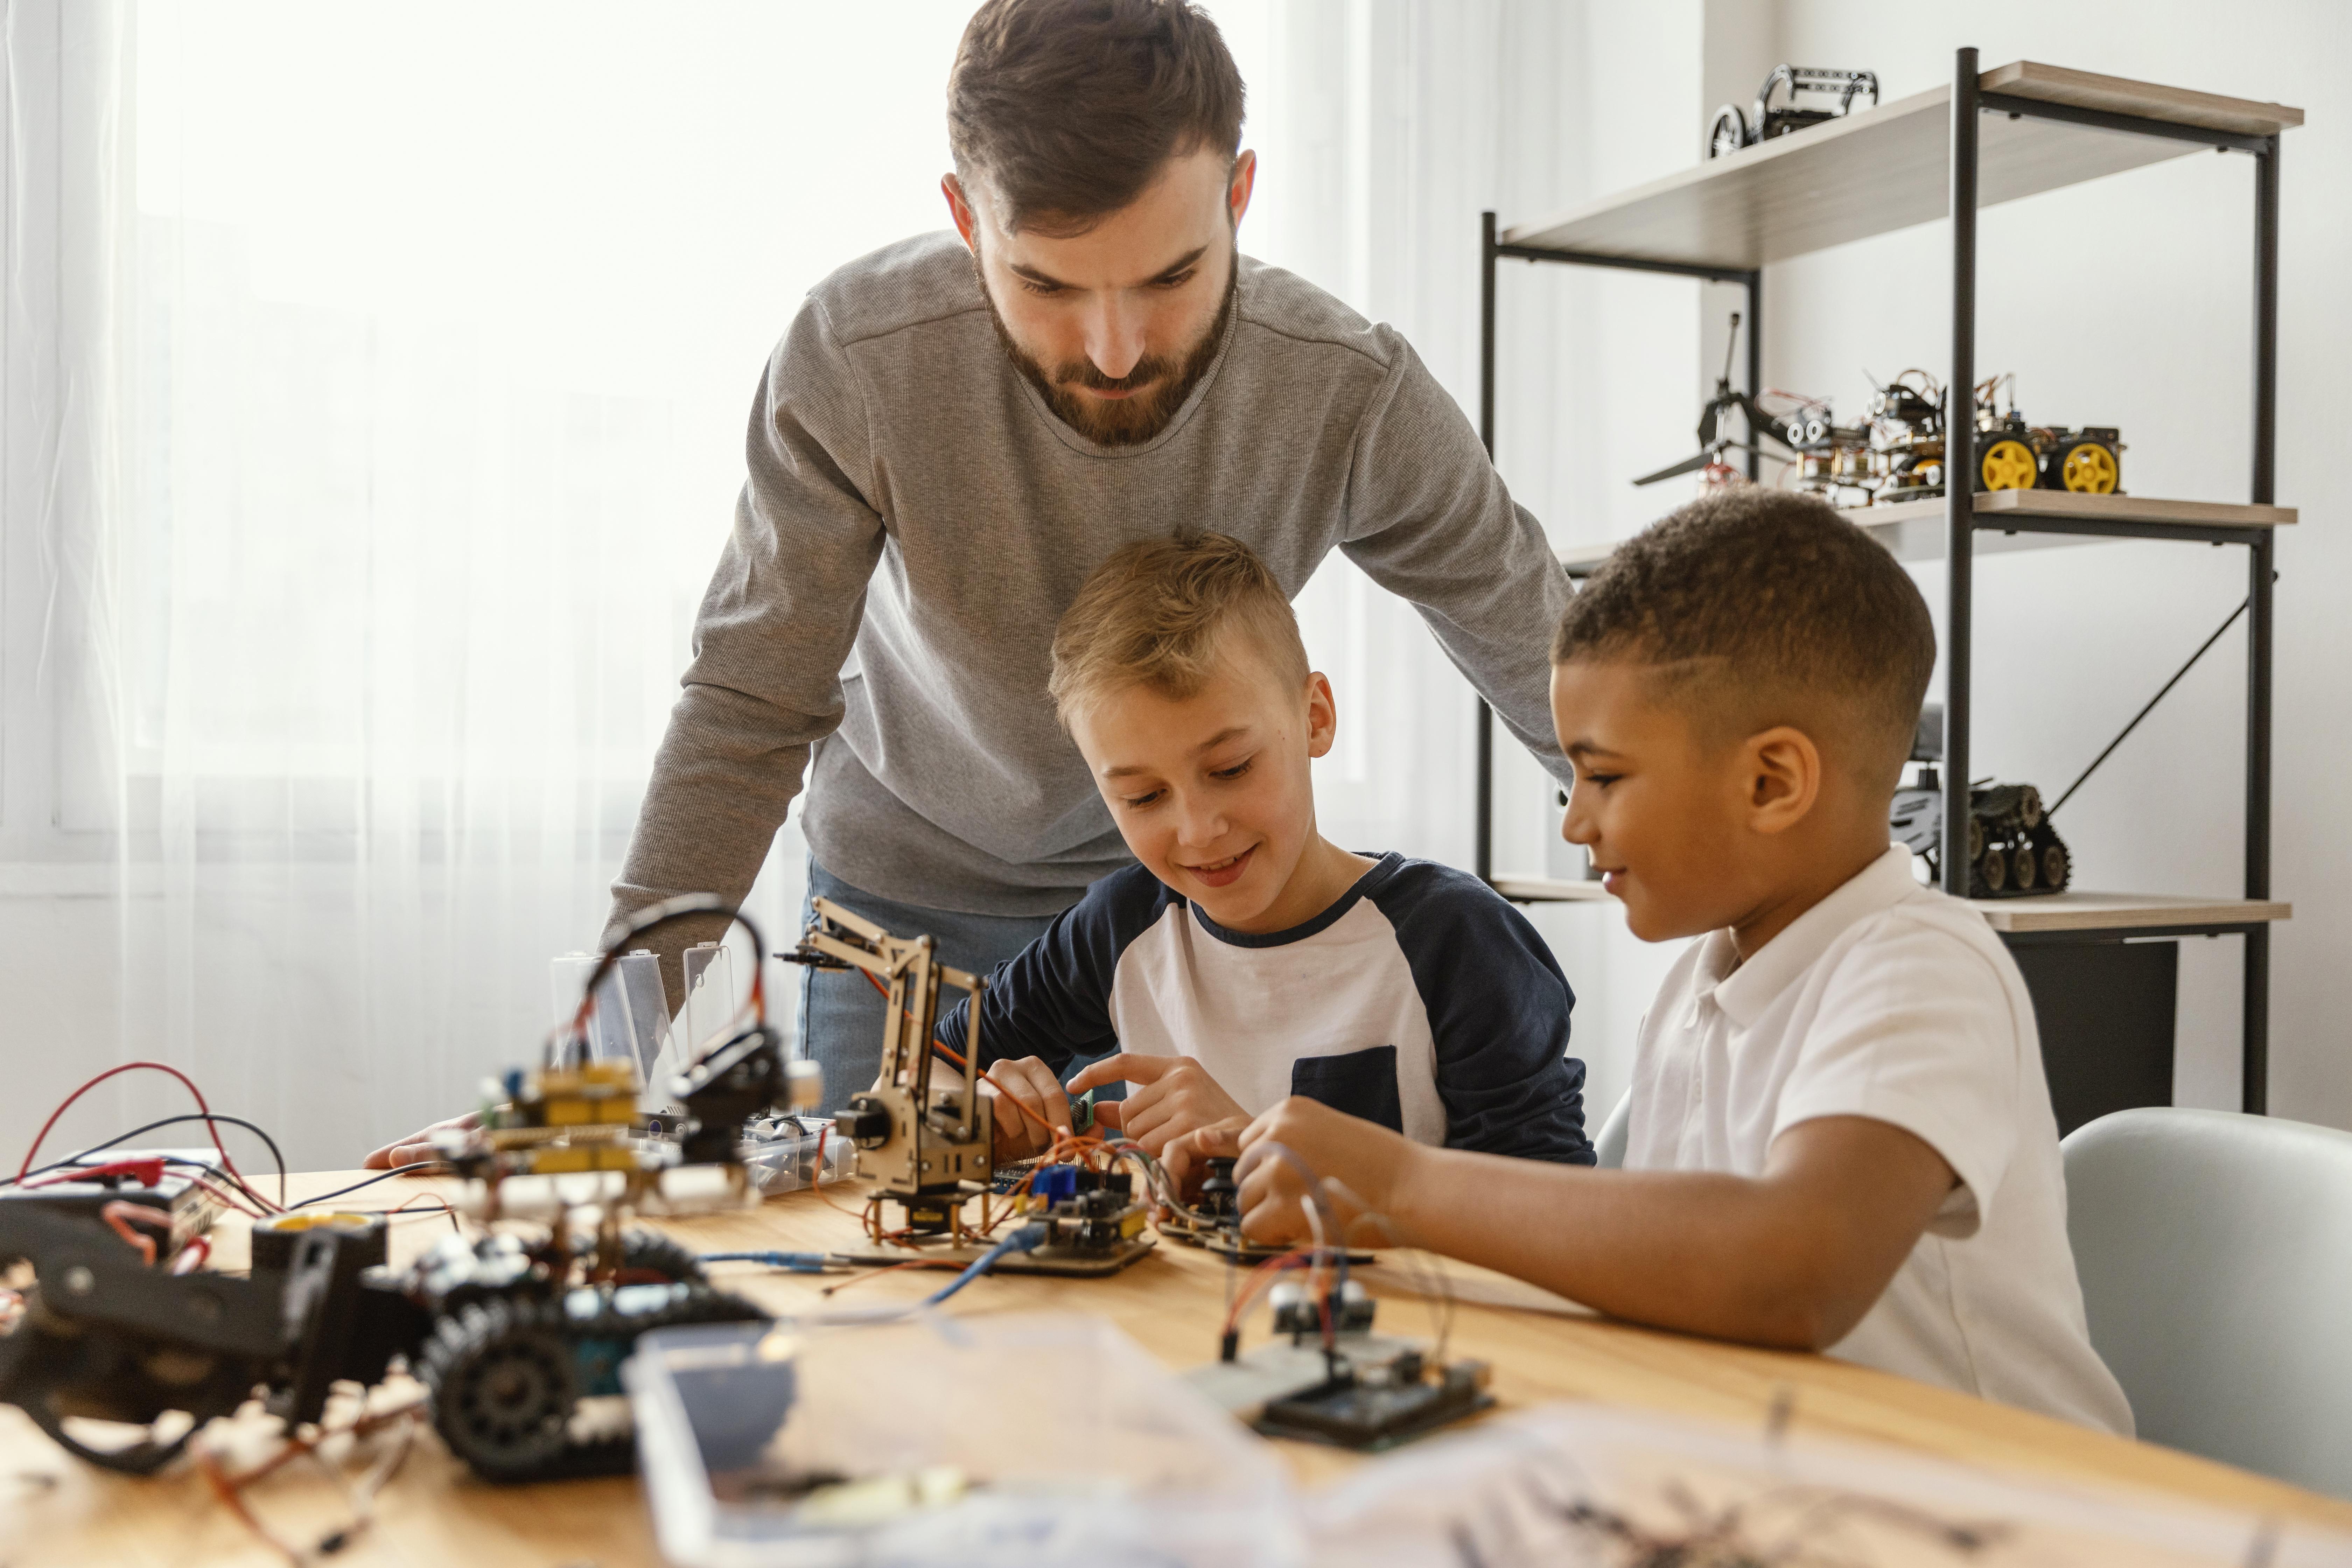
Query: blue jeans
[{"x": 842, "y": 1014}]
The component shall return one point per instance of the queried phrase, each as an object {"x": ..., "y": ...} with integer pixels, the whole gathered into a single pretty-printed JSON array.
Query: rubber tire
[
  {"x": 507, "y": 1427},
  {"x": 650, "y": 1253}
]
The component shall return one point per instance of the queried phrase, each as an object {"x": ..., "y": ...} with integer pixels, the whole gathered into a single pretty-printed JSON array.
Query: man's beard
[{"x": 1120, "y": 421}]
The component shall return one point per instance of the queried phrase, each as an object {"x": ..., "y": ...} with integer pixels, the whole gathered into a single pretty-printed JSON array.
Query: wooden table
[{"x": 54, "y": 1509}]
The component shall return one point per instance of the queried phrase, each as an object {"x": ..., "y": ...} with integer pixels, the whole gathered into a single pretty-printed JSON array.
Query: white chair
[
  {"x": 2216, "y": 1258},
  {"x": 1609, "y": 1144}
]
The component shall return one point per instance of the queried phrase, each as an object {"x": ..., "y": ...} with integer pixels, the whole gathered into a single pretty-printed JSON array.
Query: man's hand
[
  {"x": 1361, "y": 1164},
  {"x": 417, "y": 1147},
  {"x": 1044, "y": 1113},
  {"x": 1176, "y": 1096}
]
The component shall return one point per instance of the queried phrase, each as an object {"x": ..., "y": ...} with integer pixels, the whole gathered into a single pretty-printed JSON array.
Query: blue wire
[
  {"x": 1028, "y": 1238},
  {"x": 797, "y": 1262}
]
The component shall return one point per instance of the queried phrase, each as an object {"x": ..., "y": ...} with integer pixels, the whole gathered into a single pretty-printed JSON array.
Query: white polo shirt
[{"x": 1892, "y": 1001}]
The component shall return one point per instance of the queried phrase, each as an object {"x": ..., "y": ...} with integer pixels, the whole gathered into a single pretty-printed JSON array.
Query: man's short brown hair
[
  {"x": 1066, "y": 108},
  {"x": 1762, "y": 604},
  {"x": 1156, "y": 613}
]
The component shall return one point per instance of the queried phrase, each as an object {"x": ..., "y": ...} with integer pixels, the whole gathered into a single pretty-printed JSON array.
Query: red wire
[{"x": 227, "y": 1163}]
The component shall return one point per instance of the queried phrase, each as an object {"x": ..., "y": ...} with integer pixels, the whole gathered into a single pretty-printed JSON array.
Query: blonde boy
[
  {"x": 1841, "y": 1138},
  {"x": 1247, "y": 958}
]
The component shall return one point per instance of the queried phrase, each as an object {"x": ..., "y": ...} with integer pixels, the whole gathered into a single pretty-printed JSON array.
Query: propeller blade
[
  {"x": 1760, "y": 424},
  {"x": 1706, "y": 419},
  {"x": 1687, "y": 466}
]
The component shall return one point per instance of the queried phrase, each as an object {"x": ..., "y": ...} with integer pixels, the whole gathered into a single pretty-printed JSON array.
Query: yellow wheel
[
  {"x": 2008, "y": 466},
  {"x": 2090, "y": 469}
]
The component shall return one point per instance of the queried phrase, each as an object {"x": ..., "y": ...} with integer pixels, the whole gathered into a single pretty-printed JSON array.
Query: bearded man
[{"x": 958, "y": 428}]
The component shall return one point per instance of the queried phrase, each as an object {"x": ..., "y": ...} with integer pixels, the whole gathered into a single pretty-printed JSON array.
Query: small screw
[{"x": 80, "y": 1281}]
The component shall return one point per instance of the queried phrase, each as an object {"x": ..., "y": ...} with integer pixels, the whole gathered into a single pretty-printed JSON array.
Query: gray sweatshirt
[{"x": 916, "y": 520}]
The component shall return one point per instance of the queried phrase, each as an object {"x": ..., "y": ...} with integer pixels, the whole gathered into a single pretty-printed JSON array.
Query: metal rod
[
  {"x": 2254, "y": 1038},
  {"x": 1708, "y": 270},
  {"x": 1755, "y": 367},
  {"x": 2162, "y": 692},
  {"x": 1960, "y": 471},
  {"x": 2108, "y": 528},
  {"x": 2104, "y": 120},
  {"x": 1483, "y": 849}
]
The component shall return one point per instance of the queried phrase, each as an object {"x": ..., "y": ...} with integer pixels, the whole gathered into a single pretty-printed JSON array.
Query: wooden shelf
[
  {"x": 1914, "y": 530},
  {"x": 1549, "y": 891},
  {"x": 2124, "y": 911},
  {"x": 1884, "y": 169},
  {"x": 2041, "y": 912}
]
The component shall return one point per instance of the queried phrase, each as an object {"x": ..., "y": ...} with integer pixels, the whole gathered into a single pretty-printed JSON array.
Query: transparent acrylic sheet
[
  {"x": 711, "y": 1007},
  {"x": 631, "y": 1016},
  {"x": 1077, "y": 1444},
  {"x": 1567, "y": 1486}
]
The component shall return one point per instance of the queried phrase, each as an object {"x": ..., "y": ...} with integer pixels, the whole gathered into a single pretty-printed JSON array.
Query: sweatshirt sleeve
[
  {"x": 775, "y": 628},
  {"x": 1430, "y": 519},
  {"x": 1498, "y": 1011},
  {"x": 1051, "y": 999}
]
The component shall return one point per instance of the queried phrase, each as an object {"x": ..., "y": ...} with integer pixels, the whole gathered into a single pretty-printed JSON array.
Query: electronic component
[
  {"x": 181, "y": 1183},
  {"x": 2013, "y": 455},
  {"x": 919, "y": 1147},
  {"x": 1379, "y": 1404},
  {"x": 1213, "y": 1222},
  {"x": 2013, "y": 850},
  {"x": 1732, "y": 130},
  {"x": 1708, "y": 460},
  {"x": 509, "y": 1333},
  {"x": 1353, "y": 1389}
]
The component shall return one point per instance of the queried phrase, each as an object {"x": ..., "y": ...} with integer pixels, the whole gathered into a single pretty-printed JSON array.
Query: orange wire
[{"x": 118, "y": 1216}]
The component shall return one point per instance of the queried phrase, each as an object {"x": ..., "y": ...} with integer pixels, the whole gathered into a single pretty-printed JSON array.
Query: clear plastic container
[
  {"x": 783, "y": 1155},
  {"x": 974, "y": 1441},
  {"x": 630, "y": 1013},
  {"x": 710, "y": 1000}
]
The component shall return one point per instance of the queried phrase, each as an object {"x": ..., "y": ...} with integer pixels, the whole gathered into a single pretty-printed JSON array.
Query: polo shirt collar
[{"x": 1744, "y": 992}]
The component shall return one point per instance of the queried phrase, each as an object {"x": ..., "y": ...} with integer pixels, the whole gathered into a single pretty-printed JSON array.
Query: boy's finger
[
  {"x": 1111, "y": 1114},
  {"x": 1128, "y": 1067}
]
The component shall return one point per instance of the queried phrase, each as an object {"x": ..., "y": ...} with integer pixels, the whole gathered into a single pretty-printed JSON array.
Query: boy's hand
[
  {"x": 1361, "y": 1164},
  {"x": 1176, "y": 1096},
  {"x": 1185, "y": 1157},
  {"x": 1044, "y": 1113},
  {"x": 417, "y": 1147}
]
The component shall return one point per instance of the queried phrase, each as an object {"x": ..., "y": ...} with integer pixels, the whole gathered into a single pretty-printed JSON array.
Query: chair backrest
[
  {"x": 1609, "y": 1144},
  {"x": 2216, "y": 1256}
]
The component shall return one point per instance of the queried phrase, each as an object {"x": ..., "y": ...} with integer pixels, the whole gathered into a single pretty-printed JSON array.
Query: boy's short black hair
[{"x": 1765, "y": 598}]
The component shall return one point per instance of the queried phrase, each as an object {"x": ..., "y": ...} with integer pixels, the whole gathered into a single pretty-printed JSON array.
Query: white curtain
[{"x": 376, "y": 387}]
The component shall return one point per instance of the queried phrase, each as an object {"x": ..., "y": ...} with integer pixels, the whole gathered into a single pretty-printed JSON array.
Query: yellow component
[
  {"x": 614, "y": 1157},
  {"x": 618, "y": 1073},
  {"x": 559, "y": 1158},
  {"x": 617, "y": 1110},
  {"x": 2007, "y": 465},
  {"x": 569, "y": 1113},
  {"x": 1132, "y": 1225},
  {"x": 2090, "y": 469},
  {"x": 353, "y": 1222}
]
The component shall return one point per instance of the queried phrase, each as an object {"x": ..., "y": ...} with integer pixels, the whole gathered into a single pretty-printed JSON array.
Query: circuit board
[
  {"x": 1371, "y": 1392},
  {"x": 1227, "y": 1242}
]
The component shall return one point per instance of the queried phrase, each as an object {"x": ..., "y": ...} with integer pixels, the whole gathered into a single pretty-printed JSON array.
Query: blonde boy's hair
[{"x": 1155, "y": 614}]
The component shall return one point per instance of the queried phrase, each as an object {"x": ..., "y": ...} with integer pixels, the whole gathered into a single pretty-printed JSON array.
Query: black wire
[
  {"x": 206, "y": 1116},
  {"x": 408, "y": 1170},
  {"x": 2152, "y": 701}
]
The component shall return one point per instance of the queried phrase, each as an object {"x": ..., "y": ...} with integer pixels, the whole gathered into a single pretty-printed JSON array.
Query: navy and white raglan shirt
[{"x": 1421, "y": 1000}]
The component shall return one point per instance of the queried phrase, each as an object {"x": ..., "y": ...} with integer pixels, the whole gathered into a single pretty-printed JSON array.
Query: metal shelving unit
[{"x": 1996, "y": 135}]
